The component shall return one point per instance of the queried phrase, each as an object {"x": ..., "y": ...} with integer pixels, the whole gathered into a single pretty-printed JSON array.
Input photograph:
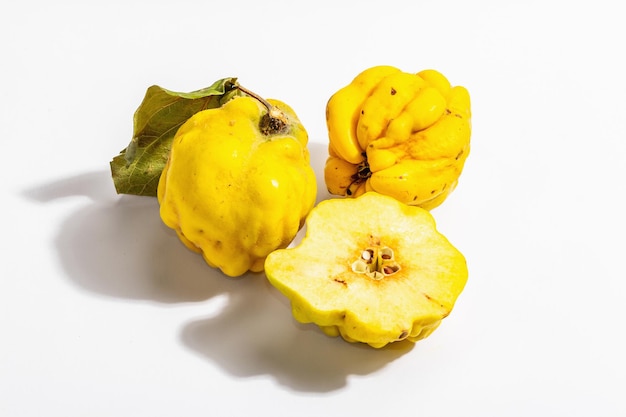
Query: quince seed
[
  {"x": 391, "y": 269},
  {"x": 386, "y": 253}
]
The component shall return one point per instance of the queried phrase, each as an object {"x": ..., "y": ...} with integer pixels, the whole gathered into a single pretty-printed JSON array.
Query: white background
[{"x": 104, "y": 313}]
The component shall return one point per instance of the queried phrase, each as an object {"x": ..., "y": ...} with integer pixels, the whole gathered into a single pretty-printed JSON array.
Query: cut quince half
[{"x": 370, "y": 269}]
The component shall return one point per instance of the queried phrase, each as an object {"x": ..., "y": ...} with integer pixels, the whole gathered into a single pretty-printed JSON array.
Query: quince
[
  {"x": 406, "y": 135},
  {"x": 370, "y": 269},
  {"x": 238, "y": 183}
]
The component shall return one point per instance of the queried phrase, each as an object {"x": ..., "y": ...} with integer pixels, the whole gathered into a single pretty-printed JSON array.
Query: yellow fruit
[
  {"x": 346, "y": 105},
  {"x": 401, "y": 134},
  {"x": 370, "y": 269},
  {"x": 238, "y": 183}
]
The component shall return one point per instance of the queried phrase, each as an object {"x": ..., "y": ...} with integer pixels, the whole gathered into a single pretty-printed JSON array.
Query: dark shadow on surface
[
  {"x": 117, "y": 246},
  {"x": 256, "y": 335}
]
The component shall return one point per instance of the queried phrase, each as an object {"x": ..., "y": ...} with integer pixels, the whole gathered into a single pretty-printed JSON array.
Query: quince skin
[{"x": 238, "y": 183}]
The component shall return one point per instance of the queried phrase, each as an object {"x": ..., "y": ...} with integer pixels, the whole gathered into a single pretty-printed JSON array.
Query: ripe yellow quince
[
  {"x": 238, "y": 182},
  {"x": 406, "y": 135},
  {"x": 370, "y": 269}
]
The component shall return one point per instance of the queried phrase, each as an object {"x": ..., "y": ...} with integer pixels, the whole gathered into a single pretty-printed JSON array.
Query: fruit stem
[
  {"x": 273, "y": 110},
  {"x": 256, "y": 96},
  {"x": 275, "y": 121}
]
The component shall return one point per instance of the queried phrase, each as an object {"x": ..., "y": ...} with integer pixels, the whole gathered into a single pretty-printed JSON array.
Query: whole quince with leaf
[{"x": 231, "y": 171}]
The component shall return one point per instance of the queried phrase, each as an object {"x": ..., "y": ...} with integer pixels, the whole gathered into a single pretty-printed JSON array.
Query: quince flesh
[{"x": 370, "y": 269}]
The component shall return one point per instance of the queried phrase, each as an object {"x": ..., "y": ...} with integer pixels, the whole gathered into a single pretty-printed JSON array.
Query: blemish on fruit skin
[
  {"x": 393, "y": 91},
  {"x": 403, "y": 335}
]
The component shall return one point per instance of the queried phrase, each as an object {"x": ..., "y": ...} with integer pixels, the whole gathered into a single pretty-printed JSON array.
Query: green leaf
[{"x": 137, "y": 169}]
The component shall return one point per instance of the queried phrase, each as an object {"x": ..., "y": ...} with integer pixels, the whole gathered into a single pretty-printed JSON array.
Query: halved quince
[{"x": 370, "y": 269}]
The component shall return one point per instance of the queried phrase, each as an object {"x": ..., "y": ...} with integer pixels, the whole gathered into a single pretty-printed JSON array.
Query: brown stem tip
[{"x": 274, "y": 121}]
